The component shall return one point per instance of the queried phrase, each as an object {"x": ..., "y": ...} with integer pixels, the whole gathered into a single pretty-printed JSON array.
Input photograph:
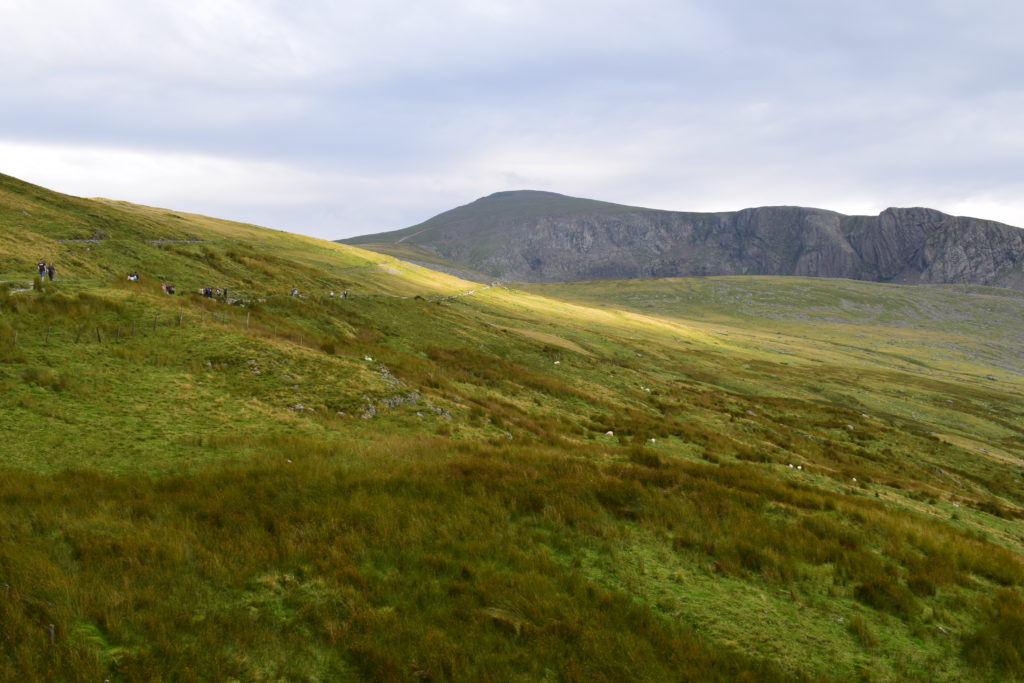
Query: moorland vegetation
[{"x": 434, "y": 479}]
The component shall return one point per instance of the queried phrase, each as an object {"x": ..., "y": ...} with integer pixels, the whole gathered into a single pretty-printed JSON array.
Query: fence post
[
  {"x": 47, "y": 342},
  {"x": 247, "y": 320},
  {"x": 117, "y": 333},
  {"x": 98, "y": 337},
  {"x": 15, "y": 337}
]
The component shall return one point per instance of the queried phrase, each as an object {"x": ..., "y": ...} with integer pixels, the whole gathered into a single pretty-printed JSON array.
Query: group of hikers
[{"x": 48, "y": 270}]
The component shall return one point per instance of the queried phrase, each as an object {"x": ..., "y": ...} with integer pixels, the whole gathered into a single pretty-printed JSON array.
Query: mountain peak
[
  {"x": 539, "y": 236},
  {"x": 515, "y": 194}
]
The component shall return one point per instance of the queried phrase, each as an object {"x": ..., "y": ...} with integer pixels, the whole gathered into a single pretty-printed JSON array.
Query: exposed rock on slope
[{"x": 545, "y": 237}]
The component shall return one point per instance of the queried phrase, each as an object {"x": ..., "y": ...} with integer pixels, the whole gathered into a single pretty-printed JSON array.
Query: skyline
[{"x": 338, "y": 120}]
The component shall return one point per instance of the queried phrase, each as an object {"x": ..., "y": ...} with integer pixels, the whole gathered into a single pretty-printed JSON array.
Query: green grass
[
  {"x": 420, "y": 256},
  {"x": 805, "y": 479}
]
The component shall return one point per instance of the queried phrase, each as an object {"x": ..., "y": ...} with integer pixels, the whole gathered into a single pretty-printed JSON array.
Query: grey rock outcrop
[{"x": 544, "y": 237}]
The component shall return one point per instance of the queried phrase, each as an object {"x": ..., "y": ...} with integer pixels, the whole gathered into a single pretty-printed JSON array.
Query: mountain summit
[{"x": 533, "y": 236}]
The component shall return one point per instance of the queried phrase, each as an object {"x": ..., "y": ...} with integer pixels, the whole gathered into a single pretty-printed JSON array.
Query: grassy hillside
[
  {"x": 421, "y": 257},
  {"x": 437, "y": 479}
]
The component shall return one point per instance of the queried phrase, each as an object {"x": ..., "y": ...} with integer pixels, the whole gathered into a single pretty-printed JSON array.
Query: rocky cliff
[{"x": 545, "y": 237}]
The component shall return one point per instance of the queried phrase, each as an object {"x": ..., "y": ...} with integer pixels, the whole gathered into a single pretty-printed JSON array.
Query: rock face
[{"x": 544, "y": 237}]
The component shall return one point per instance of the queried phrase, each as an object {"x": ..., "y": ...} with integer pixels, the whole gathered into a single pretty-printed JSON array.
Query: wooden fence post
[
  {"x": 98, "y": 337},
  {"x": 47, "y": 342}
]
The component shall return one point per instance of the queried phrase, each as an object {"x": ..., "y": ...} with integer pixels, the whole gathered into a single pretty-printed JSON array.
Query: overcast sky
[{"x": 338, "y": 118}]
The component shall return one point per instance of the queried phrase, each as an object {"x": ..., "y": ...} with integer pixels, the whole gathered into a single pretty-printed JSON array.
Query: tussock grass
[
  {"x": 998, "y": 642},
  {"x": 422, "y": 577},
  {"x": 434, "y": 566}
]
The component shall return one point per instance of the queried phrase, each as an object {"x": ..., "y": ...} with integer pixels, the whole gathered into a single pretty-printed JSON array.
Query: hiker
[
  {"x": 225, "y": 294},
  {"x": 331, "y": 295},
  {"x": 344, "y": 295},
  {"x": 42, "y": 268},
  {"x": 170, "y": 288},
  {"x": 50, "y": 271},
  {"x": 295, "y": 291}
]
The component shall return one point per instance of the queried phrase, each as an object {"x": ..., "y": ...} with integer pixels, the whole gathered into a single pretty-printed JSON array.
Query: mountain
[
  {"x": 529, "y": 236},
  {"x": 706, "y": 479}
]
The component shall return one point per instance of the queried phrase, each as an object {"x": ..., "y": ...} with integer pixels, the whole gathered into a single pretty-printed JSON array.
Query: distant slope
[
  {"x": 956, "y": 327},
  {"x": 533, "y": 236},
  {"x": 419, "y": 256}
]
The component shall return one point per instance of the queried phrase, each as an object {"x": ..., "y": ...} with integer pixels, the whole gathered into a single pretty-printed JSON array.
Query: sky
[{"x": 336, "y": 118}]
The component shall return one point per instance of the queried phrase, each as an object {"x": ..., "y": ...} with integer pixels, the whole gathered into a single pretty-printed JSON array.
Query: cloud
[
  {"x": 144, "y": 176},
  {"x": 338, "y": 118}
]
